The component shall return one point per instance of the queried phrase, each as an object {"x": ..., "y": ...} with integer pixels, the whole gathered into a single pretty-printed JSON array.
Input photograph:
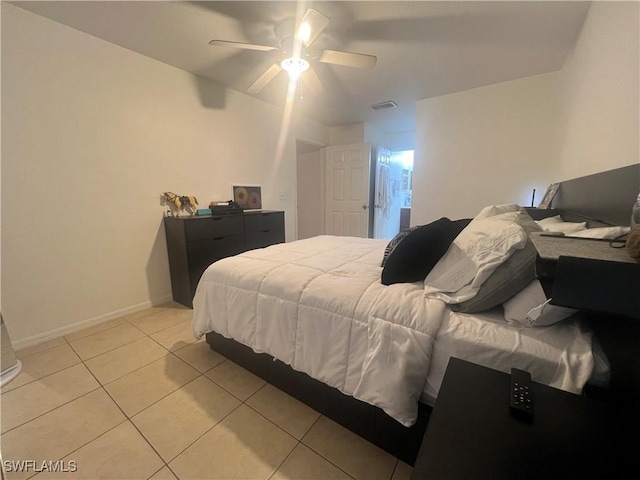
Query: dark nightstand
[
  {"x": 471, "y": 433},
  {"x": 588, "y": 275}
]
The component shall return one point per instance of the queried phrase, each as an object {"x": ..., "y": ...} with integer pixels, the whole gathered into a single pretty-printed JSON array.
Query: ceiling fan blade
[
  {"x": 312, "y": 82},
  {"x": 244, "y": 46},
  {"x": 348, "y": 59},
  {"x": 265, "y": 78},
  {"x": 310, "y": 26}
]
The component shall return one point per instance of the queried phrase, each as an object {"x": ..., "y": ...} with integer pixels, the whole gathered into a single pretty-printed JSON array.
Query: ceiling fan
[{"x": 296, "y": 54}]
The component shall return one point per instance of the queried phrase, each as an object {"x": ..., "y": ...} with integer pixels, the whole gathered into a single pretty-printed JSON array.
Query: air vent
[{"x": 383, "y": 105}]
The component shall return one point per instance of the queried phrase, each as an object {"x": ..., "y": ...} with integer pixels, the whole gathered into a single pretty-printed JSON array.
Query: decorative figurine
[
  {"x": 190, "y": 204},
  {"x": 177, "y": 203}
]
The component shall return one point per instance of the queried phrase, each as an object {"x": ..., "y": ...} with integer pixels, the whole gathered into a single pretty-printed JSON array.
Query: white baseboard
[{"x": 90, "y": 322}]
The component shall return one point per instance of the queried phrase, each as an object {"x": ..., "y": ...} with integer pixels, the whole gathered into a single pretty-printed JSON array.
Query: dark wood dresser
[{"x": 194, "y": 243}]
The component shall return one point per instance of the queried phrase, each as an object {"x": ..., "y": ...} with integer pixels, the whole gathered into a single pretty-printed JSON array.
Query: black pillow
[
  {"x": 418, "y": 252},
  {"x": 458, "y": 225},
  {"x": 394, "y": 243}
]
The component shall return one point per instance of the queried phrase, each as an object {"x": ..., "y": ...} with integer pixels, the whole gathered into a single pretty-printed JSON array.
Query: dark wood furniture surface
[
  {"x": 370, "y": 422},
  {"x": 471, "y": 433},
  {"x": 588, "y": 275},
  {"x": 195, "y": 242},
  {"x": 606, "y": 197}
]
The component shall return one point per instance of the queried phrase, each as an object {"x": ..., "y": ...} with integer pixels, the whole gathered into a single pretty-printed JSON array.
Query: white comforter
[{"x": 318, "y": 305}]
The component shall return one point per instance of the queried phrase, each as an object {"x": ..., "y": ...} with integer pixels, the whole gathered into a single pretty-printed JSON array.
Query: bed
[{"x": 313, "y": 318}]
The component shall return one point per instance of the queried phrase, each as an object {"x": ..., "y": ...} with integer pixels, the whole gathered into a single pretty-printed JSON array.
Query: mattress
[{"x": 318, "y": 305}]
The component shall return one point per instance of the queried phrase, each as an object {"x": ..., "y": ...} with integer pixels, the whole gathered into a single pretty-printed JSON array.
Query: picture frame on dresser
[
  {"x": 549, "y": 195},
  {"x": 248, "y": 197}
]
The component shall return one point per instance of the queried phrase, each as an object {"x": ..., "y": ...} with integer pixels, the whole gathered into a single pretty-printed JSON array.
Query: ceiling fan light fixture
[{"x": 294, "y": 66}]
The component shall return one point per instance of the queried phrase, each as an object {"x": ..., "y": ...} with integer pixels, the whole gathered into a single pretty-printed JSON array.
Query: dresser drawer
[
  {"x": 261, "y": 222},
  {"x": 202, "y": 253},
  {"x": 213, "y": 227},
  {"x": 263, "y": 239}
]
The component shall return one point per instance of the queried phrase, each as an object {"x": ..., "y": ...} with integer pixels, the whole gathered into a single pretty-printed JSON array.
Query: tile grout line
[
  {"x": 298, "y": 442},
  {"x": 53, "y": 409},
  {"x": 126, "y": 416},
  {"x": 203, "y": 434},
  {"x": 43, "y": 376},
  {"x": 144, "y": 365},
  {"x": 284, "y": 459},
  {"x": 200, "y": 374},
  {"x": 129, "y": 419},
  {"x": 126, "y": 343},
  {"x": 106, "y": 351},
  {"x": 19, "y": 355},
  {"x": 395, "y": 468},
  {"x": 320, "y": 454},
  {"x": 223, "y": 387},
  {"x": 102, "y": 387},
  {"x": 83, "y": 360},
  {"x": 120, "y": 322}
]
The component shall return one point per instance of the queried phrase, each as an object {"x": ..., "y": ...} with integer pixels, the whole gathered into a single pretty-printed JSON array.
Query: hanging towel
[{"x": 385, "y": 196}]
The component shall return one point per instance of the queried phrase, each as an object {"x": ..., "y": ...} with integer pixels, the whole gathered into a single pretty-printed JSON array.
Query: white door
[{"x": 347, "y": 186}]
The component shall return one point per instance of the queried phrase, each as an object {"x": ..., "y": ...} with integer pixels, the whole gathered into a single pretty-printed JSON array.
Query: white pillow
[
  {"x": 493, "y": 210},
  {"x": 556, "y": 224},
  {"x": 473, "y": 256},
  {"x": 608, "y": 233},
  {"x": 531, "y": 308},
  {"x": 549, "y": 220}
]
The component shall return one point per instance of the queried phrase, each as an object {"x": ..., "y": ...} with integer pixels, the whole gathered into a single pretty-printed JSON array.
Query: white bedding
[
  {"x": 318, "y": 305},
  {"x": 560, "y": 355}
]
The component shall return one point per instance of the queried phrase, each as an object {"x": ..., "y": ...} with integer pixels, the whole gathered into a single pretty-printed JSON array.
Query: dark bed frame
[
  {"x": 616, "y": 191},
  {"x": 360, "y": 417}
]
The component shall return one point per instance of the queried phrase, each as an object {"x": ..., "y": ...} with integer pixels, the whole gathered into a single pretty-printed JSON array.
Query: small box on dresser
[{"x": 194, "y": 243}]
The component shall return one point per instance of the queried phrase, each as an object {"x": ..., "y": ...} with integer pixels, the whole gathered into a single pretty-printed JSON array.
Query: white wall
[
  {"x": 600, "y": 93},
  {"x": 494, "y": 144},
  {"x": 92, "y": 134},
  {"x": 483, "y": 146},
  {"x": 346, "y": 134},
  {"x": 368, "y": 133},
  {"x": 400, "y": 141}
]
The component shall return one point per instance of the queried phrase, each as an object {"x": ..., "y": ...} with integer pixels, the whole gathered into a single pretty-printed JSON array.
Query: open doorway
[
  {"x": 394, "y": 174},
  {"x": 310, "y": 189}
]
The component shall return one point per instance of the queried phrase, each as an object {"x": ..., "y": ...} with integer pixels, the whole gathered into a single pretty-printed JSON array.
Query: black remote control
[{"x": 521, "y": 398}]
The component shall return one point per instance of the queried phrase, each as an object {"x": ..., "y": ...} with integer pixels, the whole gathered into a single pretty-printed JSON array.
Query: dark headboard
[{"x": 606, "y": 197}]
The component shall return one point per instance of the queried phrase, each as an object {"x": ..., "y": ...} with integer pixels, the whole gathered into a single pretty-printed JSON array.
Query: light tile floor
[{"x": 139, "y": 397}]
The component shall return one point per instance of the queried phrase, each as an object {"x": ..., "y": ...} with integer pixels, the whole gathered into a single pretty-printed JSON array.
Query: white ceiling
[{"x": 424, "y": 48}]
